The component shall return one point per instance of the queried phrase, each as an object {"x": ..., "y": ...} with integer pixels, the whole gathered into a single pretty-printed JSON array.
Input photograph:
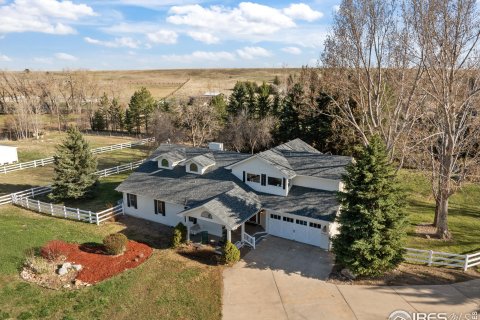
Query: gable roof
[
  {"x": 174, "y": 156},
  {"x": 205, "y": 160},
  {"x": 232, "y": 207},
  {"x": 296, "y": 157}
]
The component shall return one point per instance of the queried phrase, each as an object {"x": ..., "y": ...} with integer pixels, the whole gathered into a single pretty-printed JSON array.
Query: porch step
[{"x": 259, "y": 236}]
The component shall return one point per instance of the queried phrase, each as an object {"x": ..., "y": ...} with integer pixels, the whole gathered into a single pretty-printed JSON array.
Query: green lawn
[
  {"x": 464, "y": 214},
  {"x": 40, "y": 176},
  {"x": 167, "y": 286}
]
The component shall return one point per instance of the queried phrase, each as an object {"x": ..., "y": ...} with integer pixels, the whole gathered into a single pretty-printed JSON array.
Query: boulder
[
  {"x": 62, "y": 271},
  {"x": 347, "y": 273},
  {"x": 141, "y": 255},
  {"x": 77, "y": 267},
  {"x": 67, "y": 265}
]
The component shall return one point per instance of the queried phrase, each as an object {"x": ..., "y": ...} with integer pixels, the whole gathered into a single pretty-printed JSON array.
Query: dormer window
[
  {"x": 206, "y": 214},
  {"x": 193, "y": 167},
  {"x": 165, "y": 163}
]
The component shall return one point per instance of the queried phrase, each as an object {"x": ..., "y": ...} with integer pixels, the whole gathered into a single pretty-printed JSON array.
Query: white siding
[
  {"x": 146, "y": 210},
  {"x": 317, "y": 183},
  {"x": 257, "y": 166},
  {"x": 213, "y": 226},
  {"x": 8, "y": 155}
]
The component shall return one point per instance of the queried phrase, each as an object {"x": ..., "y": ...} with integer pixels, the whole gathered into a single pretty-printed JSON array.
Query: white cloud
[
  {"x": 253, "y": 52},
  {"x": 163, "y": 36},
  {"x": 65, "y": 56},
  {"x": 199, "y": 56},
  {"x": 204, "y": 37},
  {"x": 116, "y": 43},
  {"x": 4, "y": 58},
  {"x": 302, "y": 11},
  {"x": 292, "y": 50},
  {"x": 248, "y": 18},
  {"x": 46, "y": 16}
]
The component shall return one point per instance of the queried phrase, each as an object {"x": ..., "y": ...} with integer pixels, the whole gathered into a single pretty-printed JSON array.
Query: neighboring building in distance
[
  {"x": 288, "y": 191},
  {"x": 8, "y": 155}
]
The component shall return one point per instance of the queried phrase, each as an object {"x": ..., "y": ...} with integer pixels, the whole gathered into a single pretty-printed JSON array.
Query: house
[
  {"x": 288, "y": 191},
  {"x": 8, "y": 155}
]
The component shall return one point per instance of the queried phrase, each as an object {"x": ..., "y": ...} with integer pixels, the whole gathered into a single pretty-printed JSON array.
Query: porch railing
[{"x": 250, "y": 240}]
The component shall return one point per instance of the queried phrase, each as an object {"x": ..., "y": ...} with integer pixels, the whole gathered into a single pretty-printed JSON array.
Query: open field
[
  {"x": 41, "y": 176},
  {"x": 464, "y": 215},
  {"x": 167, "y": 286},
  {"x": 32, "y": 149}
]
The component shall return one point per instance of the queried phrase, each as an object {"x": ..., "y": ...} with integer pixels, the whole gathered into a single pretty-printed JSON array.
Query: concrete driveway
[{"x": 284, "y": 279}]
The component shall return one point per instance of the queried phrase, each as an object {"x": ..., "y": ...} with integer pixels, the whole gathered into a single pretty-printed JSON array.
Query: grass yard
[
  {"x": 32, "y": 149},
  {"x": 40, "y": 176},
  {"x": 464, "y": 215},
  {"x": 167, "y": 286}
]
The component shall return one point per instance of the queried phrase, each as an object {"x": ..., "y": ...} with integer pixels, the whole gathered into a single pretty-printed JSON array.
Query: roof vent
[{"x": 218, "y": 146}]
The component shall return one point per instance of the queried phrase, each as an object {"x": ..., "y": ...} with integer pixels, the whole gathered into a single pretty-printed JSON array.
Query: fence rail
[
  {"x": 36, "y": 191},
  {"x": 46, "y": 161},
  {"x": 435, "y": 258},
  {"x": 67, "y": 212}
]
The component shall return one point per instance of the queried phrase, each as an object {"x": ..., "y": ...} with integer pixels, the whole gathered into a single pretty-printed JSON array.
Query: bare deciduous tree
[
  {"x": 200, "y": 121},
  {"x": 373, "y": 71},
  {"x": 448, "y": 33}
]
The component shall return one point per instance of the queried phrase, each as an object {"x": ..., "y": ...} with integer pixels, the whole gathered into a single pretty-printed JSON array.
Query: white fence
[
  {"x": 434, "y": 258},
  {"x": 67, "y": 212},
  {"x": 36, "y": 191},
  {"x": 43, "y": 162}
]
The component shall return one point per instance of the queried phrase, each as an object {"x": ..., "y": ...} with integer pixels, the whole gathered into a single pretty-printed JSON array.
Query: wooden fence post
[
  {"x": 51, "y": 209},
  {"x": 65, "y": 212},
  {"x": 96, "y": 219},
  {"x": 39, "y": 208},
  {"x": 465, "y": 266},
  {"x": 78, "y": 214},
  {"x": 90, "y": 216},
  {"x": 430, "y": 258}
]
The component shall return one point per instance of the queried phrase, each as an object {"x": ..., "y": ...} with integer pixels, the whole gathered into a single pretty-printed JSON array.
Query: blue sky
[{"x": 162, "y": 34}]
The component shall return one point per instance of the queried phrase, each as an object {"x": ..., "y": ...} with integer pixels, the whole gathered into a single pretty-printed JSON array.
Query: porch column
[
  {"x": 229, "y": 235},
  {"x": 188, "y": 232},
  {"x": 243, "y": 232}
]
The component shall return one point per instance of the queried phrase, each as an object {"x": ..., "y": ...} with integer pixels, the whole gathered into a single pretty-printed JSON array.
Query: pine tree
[
  {"x": 74, "y": 168},
  {"x": 98, "y": 121},
  {"x": 372, "y": 220},
  {"x": 237, "y": 100},
  {"x": 264, "y": 103},
  {"x": 141, "y": 107}
]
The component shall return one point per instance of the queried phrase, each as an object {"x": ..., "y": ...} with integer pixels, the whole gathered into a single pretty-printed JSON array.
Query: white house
[
  {"x": 288, "y": 191},
  {"x": 8, "y": 155}
]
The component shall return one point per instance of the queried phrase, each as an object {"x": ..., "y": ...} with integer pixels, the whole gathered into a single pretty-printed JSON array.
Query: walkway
[{"x": 283, "y": 279}]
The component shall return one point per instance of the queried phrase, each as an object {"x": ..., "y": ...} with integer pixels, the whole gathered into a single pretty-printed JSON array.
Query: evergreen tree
[
  {"x": 237, "y": 101},
  {"x": 116, "y": 115},
  {"x": 98, "y": 121},
  {"x": 141, "y": 107},
  {"x": 129, "y": 124},
  {"x": 251, "y": 102},
  {"x": 220, "y": 105},
  {"x": 264, "y": 102},
  {"x": 289, "y": 117},
  {"x": 74, "y": 168},
  {"x": 372, "y": 220}
]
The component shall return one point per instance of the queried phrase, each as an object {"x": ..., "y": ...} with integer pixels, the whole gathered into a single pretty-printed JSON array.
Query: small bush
[
  {"x": 115, "y": 243},
  {"x": 183, "y": 229},
  {"x": 53, "y": 250},
  {"x": 231, "y": 254},
  {"x": 177, "y": 238}
]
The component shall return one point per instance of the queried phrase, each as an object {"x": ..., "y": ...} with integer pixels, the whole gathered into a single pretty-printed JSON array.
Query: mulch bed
[
  {"x": 409, "y": 274},
  {"x": 98, "y": 266}
]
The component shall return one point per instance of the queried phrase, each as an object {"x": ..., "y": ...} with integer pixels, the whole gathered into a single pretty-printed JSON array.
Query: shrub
[
  {"x": 53, "y": 250},
  {"x": 183, "y": 229},
  {"x": 231, "y": 254},
  {"x": 177, "y": 238},
  {"x": 115, "y": 243}
]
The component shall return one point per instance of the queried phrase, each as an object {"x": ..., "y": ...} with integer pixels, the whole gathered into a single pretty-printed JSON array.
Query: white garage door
[{"x": 298, "y": 229}]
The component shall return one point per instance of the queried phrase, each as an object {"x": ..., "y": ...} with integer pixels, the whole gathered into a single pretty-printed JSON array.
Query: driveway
[{"x": 284, "y": 279}]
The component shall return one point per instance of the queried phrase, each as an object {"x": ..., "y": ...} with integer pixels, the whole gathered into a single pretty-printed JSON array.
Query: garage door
[{"x": 297, "y": 229}]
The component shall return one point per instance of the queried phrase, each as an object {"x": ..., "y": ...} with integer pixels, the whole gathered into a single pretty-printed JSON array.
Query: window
[
  {"x": 132, "y": 200},
  {"x": 165, "y": 163},
  {"x": 159, "y": 207},
  {"x": 193, "y": 167},
  {"x": 252, "y": 177},
  {"x": 272, "y": 181},
  {"x": 275, "y": 216},
  {"x": 206, "y": 214},
  {"x": 324, "y": 229},
  {"x": 287, "y": 219},
  {"x": 315, "y": 225},
  {"x": 301, "y": 222},
  {"x": 284, "y": 184},
  {"x": 193, "y": 220},
  {"x": 264, "y": 179}
]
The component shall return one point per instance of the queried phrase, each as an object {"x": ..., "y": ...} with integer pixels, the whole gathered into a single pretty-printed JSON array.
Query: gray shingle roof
[
  {"x": 176, "y": 155},
  {"x": 234, "y": 206},
  {"x": 221, "y": 191}
]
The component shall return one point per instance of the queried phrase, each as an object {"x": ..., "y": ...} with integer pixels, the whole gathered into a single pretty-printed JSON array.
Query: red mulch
[{"x": 98, "y": 266}]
